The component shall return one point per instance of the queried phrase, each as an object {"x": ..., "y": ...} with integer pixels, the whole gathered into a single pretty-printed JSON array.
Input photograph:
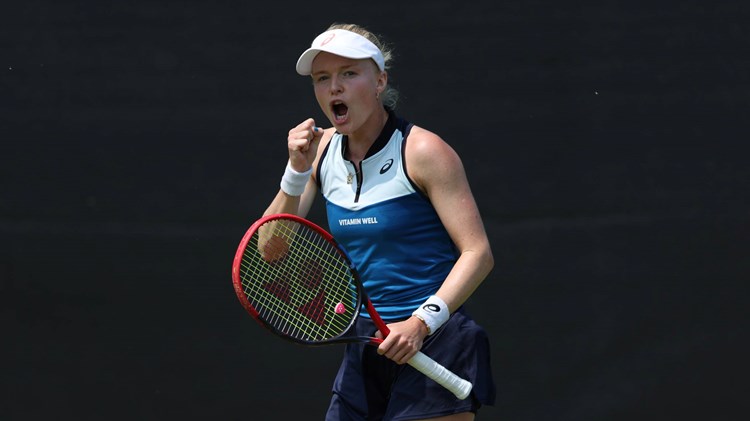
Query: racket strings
[{"x": 298, "y": 282}]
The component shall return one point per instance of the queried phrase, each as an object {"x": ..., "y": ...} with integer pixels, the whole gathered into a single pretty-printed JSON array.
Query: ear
[{"x": 382, "y": 82}]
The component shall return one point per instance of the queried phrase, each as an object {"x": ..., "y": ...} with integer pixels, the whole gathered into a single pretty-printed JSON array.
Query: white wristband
[
  {"x": 292, "y": 182},
  {"x": 433, "y": 312}
]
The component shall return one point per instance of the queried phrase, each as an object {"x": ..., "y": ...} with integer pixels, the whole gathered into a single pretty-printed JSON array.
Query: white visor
[{"x": 341, "y": 43}]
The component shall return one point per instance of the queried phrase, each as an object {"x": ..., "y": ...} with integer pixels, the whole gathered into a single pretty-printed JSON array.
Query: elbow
[
  {"x": 489, "y": 260},
  {"x": 486, "y": 259}
]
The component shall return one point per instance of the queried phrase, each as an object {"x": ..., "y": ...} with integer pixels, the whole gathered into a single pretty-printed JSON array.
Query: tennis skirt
[{"x": 369, "y": 386}]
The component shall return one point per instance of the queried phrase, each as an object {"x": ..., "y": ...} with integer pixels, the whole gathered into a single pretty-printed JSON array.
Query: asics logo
[
  {"x": 432, "y": 307},
  {"x": 387, "y": 166}
]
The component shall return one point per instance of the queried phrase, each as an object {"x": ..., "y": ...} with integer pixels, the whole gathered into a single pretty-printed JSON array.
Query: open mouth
[{"x": 340, "y": 111}]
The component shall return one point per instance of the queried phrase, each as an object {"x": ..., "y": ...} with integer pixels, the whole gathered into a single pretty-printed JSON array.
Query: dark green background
[{"x": 604, "y": 142}]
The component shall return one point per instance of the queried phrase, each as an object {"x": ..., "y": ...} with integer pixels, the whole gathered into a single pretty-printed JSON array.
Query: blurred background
[{"x": 139, "y": 140}]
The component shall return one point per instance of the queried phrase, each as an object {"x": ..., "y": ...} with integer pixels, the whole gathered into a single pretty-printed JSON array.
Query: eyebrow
[{"x": 344, "y": 67}]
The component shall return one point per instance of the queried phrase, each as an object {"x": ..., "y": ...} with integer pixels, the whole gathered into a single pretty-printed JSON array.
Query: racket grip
[{"x": 446, "y": 378}]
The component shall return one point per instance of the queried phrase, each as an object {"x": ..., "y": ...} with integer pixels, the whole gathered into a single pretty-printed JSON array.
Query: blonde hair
[{"x": 390, "y": 94}]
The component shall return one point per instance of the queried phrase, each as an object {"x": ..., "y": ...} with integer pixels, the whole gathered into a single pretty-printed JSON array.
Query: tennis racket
[{"x": 299, "y": 283}]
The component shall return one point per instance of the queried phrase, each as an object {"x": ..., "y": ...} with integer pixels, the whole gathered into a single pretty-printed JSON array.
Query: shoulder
[
  {"x": 423, "y": 144},
  {"x": 326, "y": 139},
  {"x": 429, "y": 158},
  {"x": 322, "y": 146}
]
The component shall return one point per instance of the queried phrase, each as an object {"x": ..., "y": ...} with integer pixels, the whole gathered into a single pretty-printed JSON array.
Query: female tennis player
[{"x": 398, "y": 200}]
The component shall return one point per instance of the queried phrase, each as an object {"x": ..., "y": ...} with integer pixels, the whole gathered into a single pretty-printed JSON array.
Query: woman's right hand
[{"x": 303, "y": 143}]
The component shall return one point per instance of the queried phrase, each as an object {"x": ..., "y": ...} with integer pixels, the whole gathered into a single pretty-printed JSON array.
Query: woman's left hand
[{"x": 405, "y": 339}]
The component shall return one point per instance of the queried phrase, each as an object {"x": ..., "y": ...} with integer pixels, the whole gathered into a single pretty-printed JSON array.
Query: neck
[{"x": 360, "y": 141}]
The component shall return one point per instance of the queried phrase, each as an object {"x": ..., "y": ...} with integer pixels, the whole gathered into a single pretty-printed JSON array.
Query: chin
[{"x": 344, "y": 128}]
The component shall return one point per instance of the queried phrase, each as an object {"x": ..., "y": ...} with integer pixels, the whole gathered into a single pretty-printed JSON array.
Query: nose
[{"x": 336, "y": 85}]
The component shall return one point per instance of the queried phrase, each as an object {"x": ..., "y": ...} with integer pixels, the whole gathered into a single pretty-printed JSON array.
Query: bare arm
[
  {"x": 296, "y": 205},
  {"x": 437, "y": 170},
  {"x": 304, "y": 144}
]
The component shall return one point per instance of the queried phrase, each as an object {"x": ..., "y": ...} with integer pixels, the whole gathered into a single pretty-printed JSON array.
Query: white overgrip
[{"x": 446, "y": 378}]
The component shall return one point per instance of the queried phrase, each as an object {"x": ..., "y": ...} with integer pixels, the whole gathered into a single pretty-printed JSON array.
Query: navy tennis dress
[{"x": 403, "y": 253}]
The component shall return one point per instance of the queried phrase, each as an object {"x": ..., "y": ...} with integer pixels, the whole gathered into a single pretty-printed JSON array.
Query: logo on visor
[{"x": 327, "y": 40}]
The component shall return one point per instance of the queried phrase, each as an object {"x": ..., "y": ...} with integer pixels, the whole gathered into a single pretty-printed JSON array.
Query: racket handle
[{"x": 441, "y": 375}]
